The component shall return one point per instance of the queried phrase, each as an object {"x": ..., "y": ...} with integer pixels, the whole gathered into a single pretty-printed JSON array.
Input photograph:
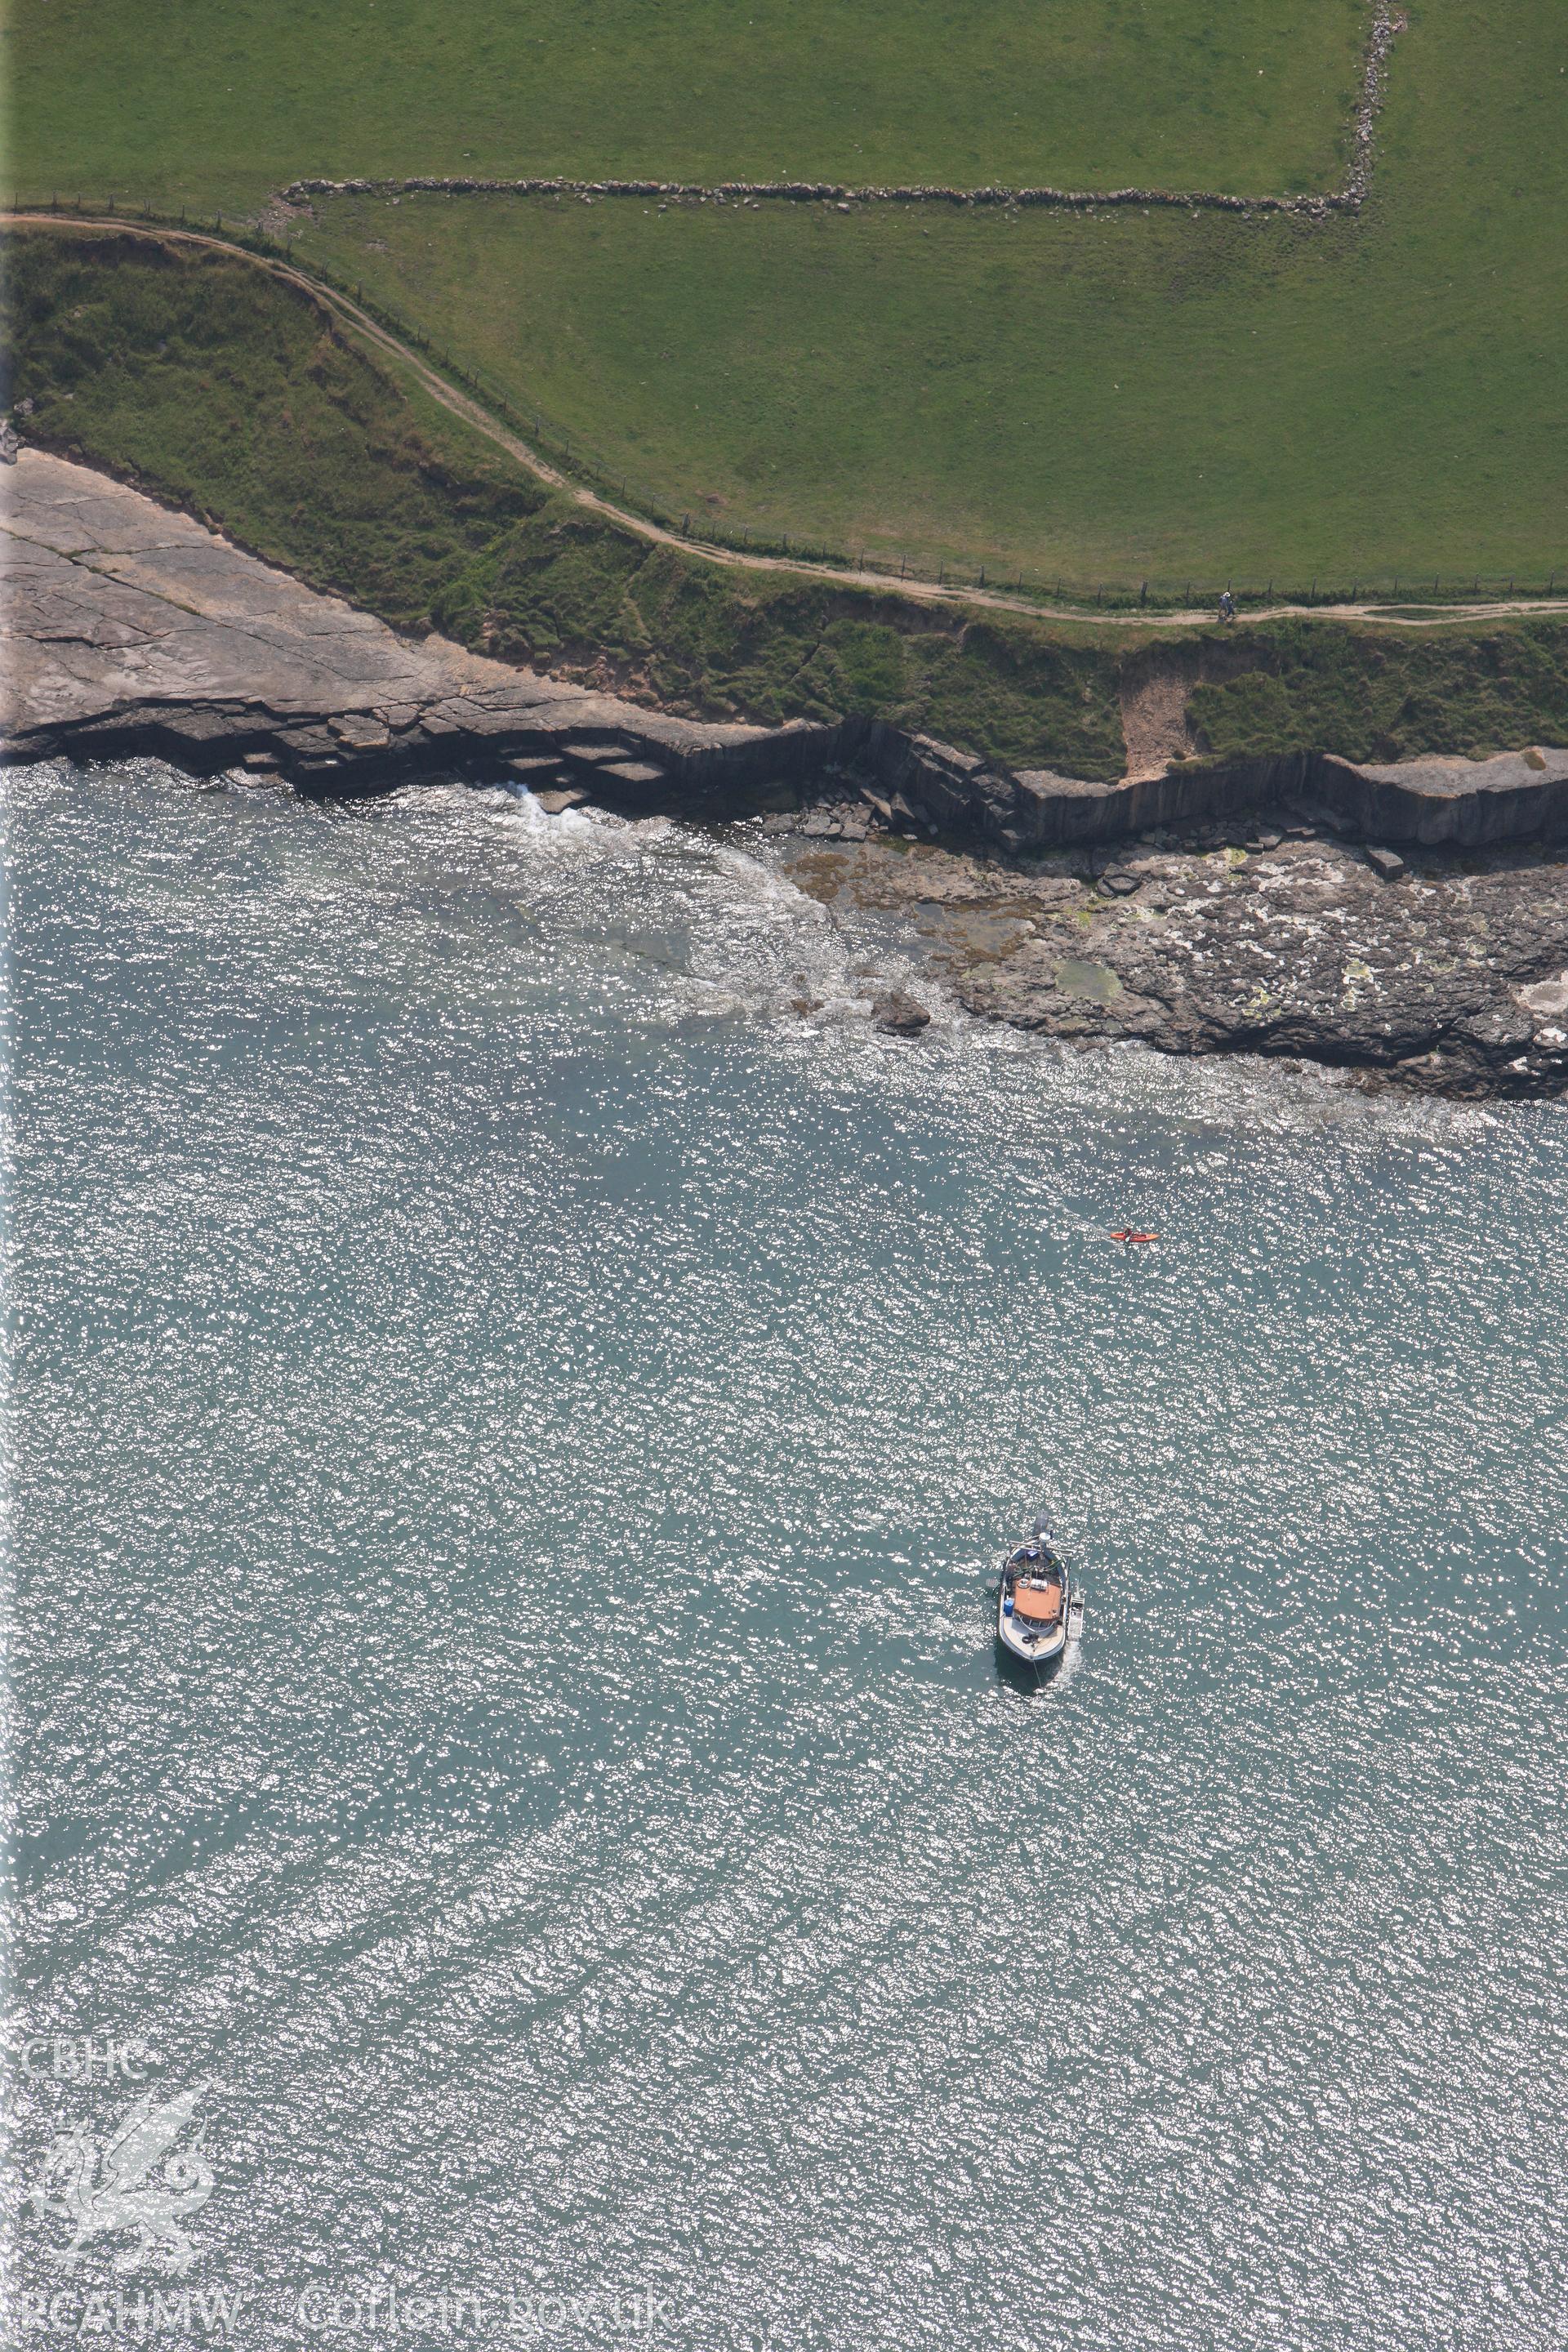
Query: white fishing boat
[{"x": 1038, "y": 1612}]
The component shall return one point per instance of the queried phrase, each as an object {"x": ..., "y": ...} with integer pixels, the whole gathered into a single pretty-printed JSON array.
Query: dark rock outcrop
[{"x": 1454, "y": 981}]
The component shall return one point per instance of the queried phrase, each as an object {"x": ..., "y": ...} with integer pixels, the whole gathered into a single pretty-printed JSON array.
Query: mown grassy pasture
[
  {"x": 210, "y": 103},
  {"x": 1105, "y": 398},
  {"x": 228, "y": 393}
]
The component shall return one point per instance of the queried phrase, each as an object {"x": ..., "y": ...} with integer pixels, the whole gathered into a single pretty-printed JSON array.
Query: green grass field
[
  {"x": 211, "y": 103},
  {"x": 1103, "y": 398}
]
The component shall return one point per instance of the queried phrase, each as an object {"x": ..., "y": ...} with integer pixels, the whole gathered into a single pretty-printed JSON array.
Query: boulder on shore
[{"x": 899, "y": 1014}]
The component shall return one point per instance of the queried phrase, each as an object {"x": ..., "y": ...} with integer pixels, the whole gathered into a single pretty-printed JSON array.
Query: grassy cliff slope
[{"x": 226, "y": 392}]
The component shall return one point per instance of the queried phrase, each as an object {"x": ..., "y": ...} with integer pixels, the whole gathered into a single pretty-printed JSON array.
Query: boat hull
[{"x": 1040, "y": 1613}]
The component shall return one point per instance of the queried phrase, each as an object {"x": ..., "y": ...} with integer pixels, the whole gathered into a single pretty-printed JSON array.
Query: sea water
[{"x": 514, "y": 1425}]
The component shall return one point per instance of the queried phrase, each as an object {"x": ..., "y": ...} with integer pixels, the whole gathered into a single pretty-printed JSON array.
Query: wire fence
[{"x": 575, "y": 460}]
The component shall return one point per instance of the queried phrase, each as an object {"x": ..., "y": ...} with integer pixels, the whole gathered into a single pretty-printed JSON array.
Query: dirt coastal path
[{"x": 349, "y": 314}]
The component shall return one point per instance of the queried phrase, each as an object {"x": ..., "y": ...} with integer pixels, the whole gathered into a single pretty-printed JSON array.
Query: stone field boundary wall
[{"x": 1387, "y": 22}]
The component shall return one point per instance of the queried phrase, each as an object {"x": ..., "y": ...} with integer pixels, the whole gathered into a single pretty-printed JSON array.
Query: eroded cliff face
[{"x": 1196, "y": 905}]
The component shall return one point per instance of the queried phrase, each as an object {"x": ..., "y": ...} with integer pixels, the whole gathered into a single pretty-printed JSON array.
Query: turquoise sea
[{"x": 512, "y": 1429}]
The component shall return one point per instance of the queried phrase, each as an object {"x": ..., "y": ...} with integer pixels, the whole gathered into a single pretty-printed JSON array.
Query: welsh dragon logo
[{"x": 139, "y": 2180}]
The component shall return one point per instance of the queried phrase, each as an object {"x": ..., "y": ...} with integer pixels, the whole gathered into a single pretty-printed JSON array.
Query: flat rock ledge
[
  {"x": 133, "y": 630},
  {"x": 130, "y": 630}
]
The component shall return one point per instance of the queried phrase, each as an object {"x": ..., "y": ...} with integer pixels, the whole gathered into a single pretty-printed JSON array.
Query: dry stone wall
[{"x": 1385, "y": 23}]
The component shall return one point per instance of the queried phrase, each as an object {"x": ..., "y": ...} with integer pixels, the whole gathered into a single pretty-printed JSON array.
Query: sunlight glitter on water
[{"x": 514, "y": 1432}]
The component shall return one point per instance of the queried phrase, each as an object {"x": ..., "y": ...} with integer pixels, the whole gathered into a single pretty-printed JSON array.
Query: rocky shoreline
[
  {"x": 1445, "y": 972},
  {"x": 1409, "y": 920}
]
